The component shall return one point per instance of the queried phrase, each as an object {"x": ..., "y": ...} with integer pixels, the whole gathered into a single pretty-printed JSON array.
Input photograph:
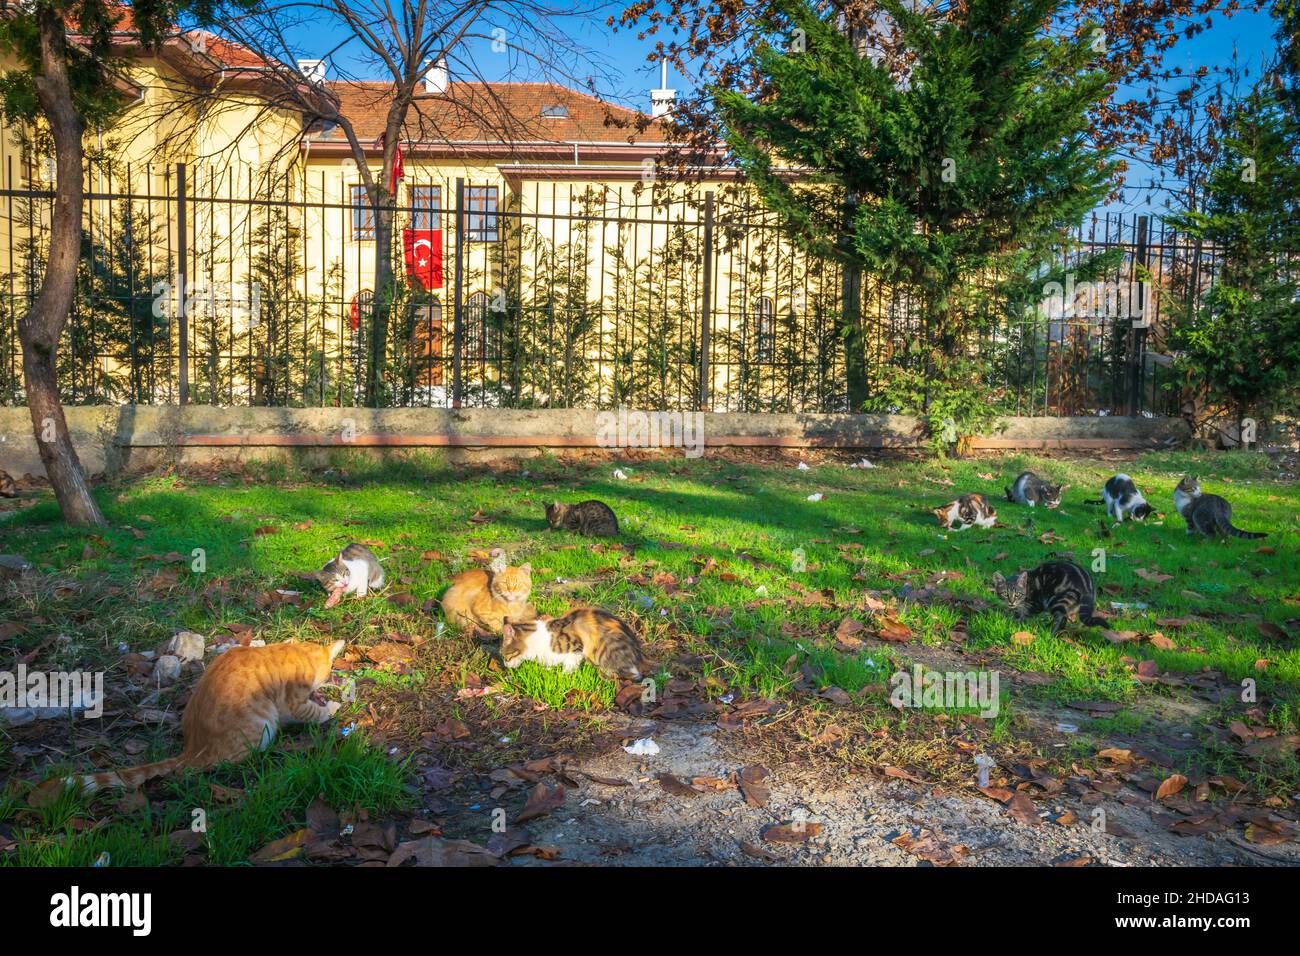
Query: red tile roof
[{"x": 493, "y": 113}]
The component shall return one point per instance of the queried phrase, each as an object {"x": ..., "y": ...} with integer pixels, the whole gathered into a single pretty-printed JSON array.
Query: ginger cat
[
  {"x": 482, "y": 599},
  {"x": 242, "y": 699}
]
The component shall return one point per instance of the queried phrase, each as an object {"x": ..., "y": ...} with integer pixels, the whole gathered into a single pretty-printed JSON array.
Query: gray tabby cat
[
  {"x": 1209, "y": 515},
  {"x": 1029, "y": 489},
  {"x": 1059, "y": 588},
  {"x": 1121, "y": 497},
  {"x": 355, "y": 571},
  {"x": 587, "y": 517}
]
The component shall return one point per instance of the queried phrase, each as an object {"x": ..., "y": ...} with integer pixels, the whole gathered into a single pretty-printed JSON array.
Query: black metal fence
[{"x": 210, "y": 287}]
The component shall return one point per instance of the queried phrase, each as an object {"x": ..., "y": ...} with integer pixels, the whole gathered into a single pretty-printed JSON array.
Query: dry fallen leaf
[
  {"x": 1170, "y": 786},
  {"x": 791, "y": 832}
]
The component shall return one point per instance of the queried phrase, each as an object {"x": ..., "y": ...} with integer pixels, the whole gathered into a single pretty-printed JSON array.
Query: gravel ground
[{"x": 645, "y": 824}]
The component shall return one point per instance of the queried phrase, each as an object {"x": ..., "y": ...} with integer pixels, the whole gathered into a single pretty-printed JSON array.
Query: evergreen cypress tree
[
  {"x": 951, "y": 170},
  {"x": 1239, "y": 349}
]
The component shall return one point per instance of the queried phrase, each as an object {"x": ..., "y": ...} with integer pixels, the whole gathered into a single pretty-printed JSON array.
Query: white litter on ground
[
  {"x": 645, "y": 747},
  {"x": 816, "y": 496},
  {"x": 618, "y": 473}
]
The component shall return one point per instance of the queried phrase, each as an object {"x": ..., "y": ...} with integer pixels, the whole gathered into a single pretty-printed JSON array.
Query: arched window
[
  {"x": 477, "y": 344},
  {"x": 764, "y": 329},
  {"x": 360, "y": 310}
]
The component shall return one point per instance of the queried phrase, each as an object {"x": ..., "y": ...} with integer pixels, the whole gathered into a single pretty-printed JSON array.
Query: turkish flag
[{"x": 423, "y": 256}]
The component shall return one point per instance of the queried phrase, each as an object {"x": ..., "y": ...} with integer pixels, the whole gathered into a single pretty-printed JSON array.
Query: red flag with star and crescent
[{"x": 423, "y": 256}]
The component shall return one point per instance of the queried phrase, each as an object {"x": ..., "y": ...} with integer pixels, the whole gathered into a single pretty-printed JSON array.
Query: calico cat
[
  {"x": 966, "y": 512},
  {"x": 240, "y": 702},
  {"x": 1208, "y": 514},
  {"x": 1121, "y": 497},
  {"x": 482, "y": 599},
  {"x": 593, "y": 518},
  {"x": 355, "y": 571},
  {"x": 7, "y": 487},
  {"x": 608, "y": 642},
  {"x": 1059, "y": 588},
  {"x": 1029, "y": 489}
]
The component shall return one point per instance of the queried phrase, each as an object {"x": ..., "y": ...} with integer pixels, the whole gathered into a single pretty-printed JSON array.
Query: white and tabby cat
[
  {"x": 966, "y": 512},
  {"x": 1209, "y": 515},
  {"x": 355, "y": 571},
  {"x": 1121, "y": 497}
]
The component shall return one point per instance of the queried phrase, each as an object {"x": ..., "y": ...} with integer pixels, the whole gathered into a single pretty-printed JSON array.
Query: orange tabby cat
[
  {"x": 242, "y": 699},
  {"x": 483, "y": 598}
]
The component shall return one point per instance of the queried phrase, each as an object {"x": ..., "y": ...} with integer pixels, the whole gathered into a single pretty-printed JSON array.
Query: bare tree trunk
[
  {"x": 40, "y": 329},
  {"x": 381, "y": 304}
]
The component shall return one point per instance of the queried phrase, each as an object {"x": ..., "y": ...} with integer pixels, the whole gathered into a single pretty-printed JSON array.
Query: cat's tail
[
  {"x": 1094, "y": 501},
  {"x": 1238, "y": 533},
  {"x": 126, "y": 778}
]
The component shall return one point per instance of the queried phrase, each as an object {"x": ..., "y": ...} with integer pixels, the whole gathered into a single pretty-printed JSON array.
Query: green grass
[
  {"x": 274, "y": 790},
  {"x": 752, "y": 625}
]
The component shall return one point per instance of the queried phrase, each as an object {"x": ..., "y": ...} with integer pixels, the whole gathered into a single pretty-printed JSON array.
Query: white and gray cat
[
  {"x": 1029, "y": 489},
  {"x": 355, "y": 571},
  {"x": 1209, "y": 515}
]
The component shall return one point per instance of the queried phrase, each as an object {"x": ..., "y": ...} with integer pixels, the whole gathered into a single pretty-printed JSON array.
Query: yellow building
[{"x": 580, "y": 274}]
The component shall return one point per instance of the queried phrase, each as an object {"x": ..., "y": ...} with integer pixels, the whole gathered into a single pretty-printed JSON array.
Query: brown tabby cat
[
  {"x": 600, "y": 637},
  {"x": 242, "y": 699},
  {"x": 593, "y": 518},
  {"x": 7, "y": 487},
  {"x": 482, "y": 599}
]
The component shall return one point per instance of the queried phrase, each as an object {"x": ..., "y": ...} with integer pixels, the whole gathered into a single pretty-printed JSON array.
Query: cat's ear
[
  {"x": 507, "y": 629},
  {"x": 336, "y": 649},
  {"x": 998, "y": 579},
  {"x": 1022, "y": 579},
  {"x": 527, "y": 568},
  {"x": 498, "y": 562}
]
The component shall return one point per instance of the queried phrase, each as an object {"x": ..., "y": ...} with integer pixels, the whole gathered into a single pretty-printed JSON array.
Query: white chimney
[
  {"x": 662, "y": 99},
  {"x": 436, "y": 77},
  {"x": 314, "y": 70}
]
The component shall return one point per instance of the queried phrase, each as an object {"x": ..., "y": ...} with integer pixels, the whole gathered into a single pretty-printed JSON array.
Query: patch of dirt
[{"x": 863, "y": 820}]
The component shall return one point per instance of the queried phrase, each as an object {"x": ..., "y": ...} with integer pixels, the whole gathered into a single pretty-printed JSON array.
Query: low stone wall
[{"x": 116, "y": 439}]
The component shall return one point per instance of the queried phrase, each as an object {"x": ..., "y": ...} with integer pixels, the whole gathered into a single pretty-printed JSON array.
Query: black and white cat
[
  {"x": 1029, "y": 489},
  {"x": 355, "y": 571},
  {"x": 1121, "y": 497}
]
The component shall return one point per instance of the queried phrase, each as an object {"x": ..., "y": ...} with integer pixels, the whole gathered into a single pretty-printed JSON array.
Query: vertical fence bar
[
  {"x": 182, "y": 255},
  {"x": 706, "y": 308},
  {"x": 1137, "y": 358},
  {"x": 457, "y": 327}
]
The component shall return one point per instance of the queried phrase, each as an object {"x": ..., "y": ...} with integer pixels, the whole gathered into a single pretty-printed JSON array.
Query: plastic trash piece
[
  {"x": 645, "y": 747},
  {"x": 985, "y": 763}
]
